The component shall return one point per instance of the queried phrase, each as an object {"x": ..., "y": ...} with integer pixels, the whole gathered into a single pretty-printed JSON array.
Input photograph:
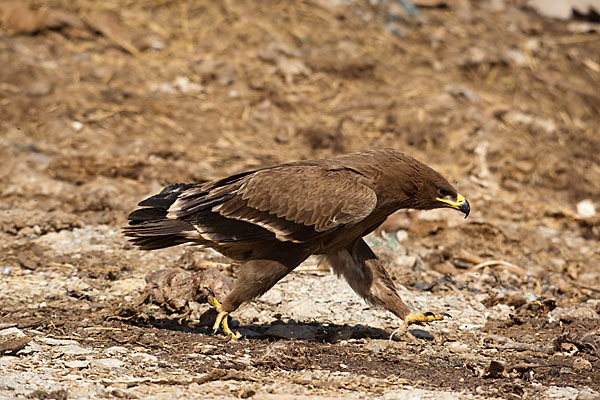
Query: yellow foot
[
  {"x": 422, "y": 318},
  {"x": 418, "y": 319},
  {"x": 222, "y": 320}
]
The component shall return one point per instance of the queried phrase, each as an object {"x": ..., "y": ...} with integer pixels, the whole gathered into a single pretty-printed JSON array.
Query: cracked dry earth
[{"x": 103, "y": 103}]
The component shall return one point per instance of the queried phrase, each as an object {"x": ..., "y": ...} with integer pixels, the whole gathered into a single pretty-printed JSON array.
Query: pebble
[
  {"x": 144, "y": 358},
  {"x": 106, "y": 363},
  {"x": 78, "y": 364},
  {"x": 77, "y": 126},
  {"x": 272, "y": 297},
  {"x": 56, "y": 342},
  {"x": 73, "y": 350},
  {"x": 586, "y": 209},
  {"x": 457, "y": 347},
  {"x": 406, "y": 261},
  {"x": 582, "y": 364},
  {"x": 572, "y": 313},
  {"x": 116, "y": 350},
  {"x": 304, "y": 310},
  {"x": 12, "y": 331},
  {"x": 32, "y": 347}
]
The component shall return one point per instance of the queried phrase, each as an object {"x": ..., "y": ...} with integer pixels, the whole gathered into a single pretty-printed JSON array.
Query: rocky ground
[{"x": 103, "y": 103}]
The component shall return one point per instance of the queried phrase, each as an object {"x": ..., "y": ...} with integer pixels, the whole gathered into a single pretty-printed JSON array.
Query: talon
[
  {"x": 212, "y": 299},
  {"x": 222, "y": 321},
  {"x": 422, "y": 318}
]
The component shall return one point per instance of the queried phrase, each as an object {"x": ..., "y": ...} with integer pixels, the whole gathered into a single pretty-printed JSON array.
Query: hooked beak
[{"x": 461, "y": 204}]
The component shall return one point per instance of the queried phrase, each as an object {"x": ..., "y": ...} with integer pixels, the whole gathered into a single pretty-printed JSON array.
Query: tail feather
[
  {"x": 167, "y": 196},
  {"x": 149, "y": 228}
]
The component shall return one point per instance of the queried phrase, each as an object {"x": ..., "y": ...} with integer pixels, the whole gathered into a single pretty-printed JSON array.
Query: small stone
[
  {"x": 582, "y": 364},
  {"x": 304, "y": 310},
  {"x": 586, "y": 209},
  {"x": 272, "y": 297},
  {"x": 461, "y": 91},
  {"x": 117, "y": 350},
  {"x": 77, "y": 364},
  {"x": 514, "y": 56},
  {"x": 457, "y": 347},
  {"x": 56, "y": 342},
  {"x": 12, "y": 331},
  {"x": 77, "y": 126},
  {"x": 401, "y": 235},
  {"x": 73, "y": 350},
  {"x": 494, "y": 370},
  {"x": 144, "y": 358},
  {"x": 13, "y": 344},
  {"x": 573, "y": 313},
  {"x": 32, "y": 347},
  {"x": 106, "y": 363},
  {"x": 406, "y": 261}
]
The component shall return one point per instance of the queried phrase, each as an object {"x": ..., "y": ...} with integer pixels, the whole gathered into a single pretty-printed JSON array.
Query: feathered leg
[
  {"x": 366, "y": 274},
  {"x": 254, "y": 279}
]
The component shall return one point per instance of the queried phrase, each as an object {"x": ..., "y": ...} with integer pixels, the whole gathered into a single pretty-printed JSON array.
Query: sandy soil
[{"x": 103, "y": 103}]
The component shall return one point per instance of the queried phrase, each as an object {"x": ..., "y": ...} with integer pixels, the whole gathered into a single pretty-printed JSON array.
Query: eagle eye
[{"x": 444, "y": 193}]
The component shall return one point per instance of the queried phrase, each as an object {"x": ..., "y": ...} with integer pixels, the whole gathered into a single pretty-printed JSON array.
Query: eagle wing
[{"x": 293, "y": 202}]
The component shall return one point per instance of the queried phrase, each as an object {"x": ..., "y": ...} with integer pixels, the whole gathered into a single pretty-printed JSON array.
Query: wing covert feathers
[{"x": 295, "y": 202}]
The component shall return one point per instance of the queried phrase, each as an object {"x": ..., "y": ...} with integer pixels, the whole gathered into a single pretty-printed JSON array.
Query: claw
[
  {"x": 222, "y": 317},
  {"x": 419, "y": 319},
  {"x": 422, "y": 318}
]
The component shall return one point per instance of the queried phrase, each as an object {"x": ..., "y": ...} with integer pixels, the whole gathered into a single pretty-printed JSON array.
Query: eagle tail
[{"x": 150, "y": 229}]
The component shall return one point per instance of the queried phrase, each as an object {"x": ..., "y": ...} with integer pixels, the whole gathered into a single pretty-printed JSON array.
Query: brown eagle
[{"x": 271, "y": 219}]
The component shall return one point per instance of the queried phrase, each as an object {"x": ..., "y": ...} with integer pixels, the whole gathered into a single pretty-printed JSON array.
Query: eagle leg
[
  {"x": 255, "y": 277},
  {"x": 366, "y": 274}
]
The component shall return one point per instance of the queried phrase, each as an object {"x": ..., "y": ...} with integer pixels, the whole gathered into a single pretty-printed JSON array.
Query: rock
[
  {"x": 582, "y": 364},
  {"x": 586, "y": 209},
  {"x": 406, "y": 262},
  {"x": 304, "y": 310},
  {"x": 117, "y": 350},
  {"x": 12, "y": 344},
  {"x": 531, "y": 121},
  {"x": 273, "y": 297},
  {"x": 12, "y": 332},
  {"x": 144, "y": 358},
  {"x": 106, "y": 363},
  {"x": 73, "y": 350},
  {"x": 573, "y": 313},
  {"x": 461, "y": 91},
  {"x": 514, "y": 56},
  {"x": 56, "y": 342},
  {"x": 77, "y": 364},
  {"x": 494, "y": 370},
  {"x": 32, "y": 347},
  {"x": 457, "y": 347}
]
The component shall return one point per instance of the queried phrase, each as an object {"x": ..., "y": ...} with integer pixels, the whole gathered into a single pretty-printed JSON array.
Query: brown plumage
[{"x": 273, "y": 218}]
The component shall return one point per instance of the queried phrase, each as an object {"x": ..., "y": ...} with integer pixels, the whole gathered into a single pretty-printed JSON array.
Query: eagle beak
[{"x": 461, "y": 204}]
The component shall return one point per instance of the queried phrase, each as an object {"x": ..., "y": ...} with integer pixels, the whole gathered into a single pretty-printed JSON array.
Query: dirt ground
[{"x": 103, "y": 103}]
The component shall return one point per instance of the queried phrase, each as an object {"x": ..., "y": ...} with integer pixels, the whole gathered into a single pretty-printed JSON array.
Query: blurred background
[{"x": 105, "y": 102}]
